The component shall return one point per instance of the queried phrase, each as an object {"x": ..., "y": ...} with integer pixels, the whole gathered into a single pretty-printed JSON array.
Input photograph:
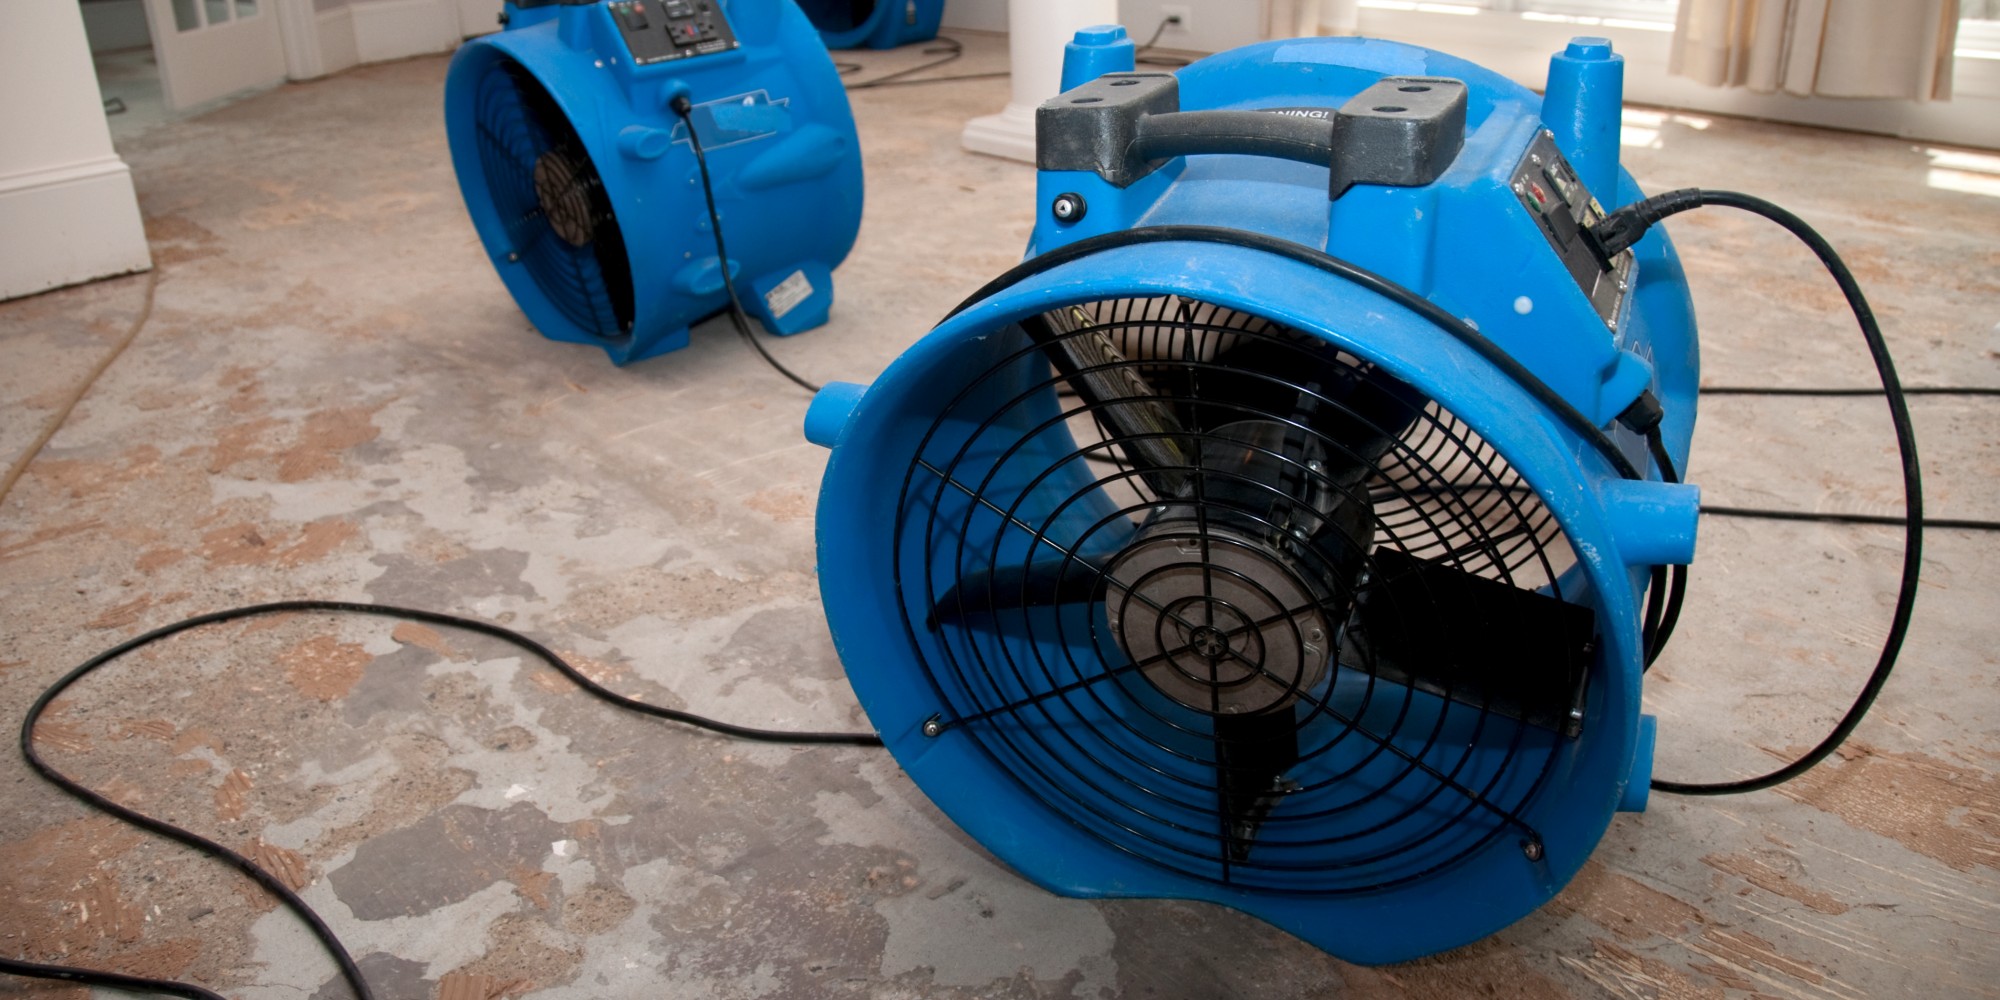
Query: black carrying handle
[
  {"x": 1250, "y": 133},
  {"x": 1403, "y": 131}
]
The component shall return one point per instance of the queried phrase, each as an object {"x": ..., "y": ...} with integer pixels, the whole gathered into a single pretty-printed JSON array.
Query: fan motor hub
[
  {"x": 564, "y": 193},
  {"x": 1215, "y": 620}
]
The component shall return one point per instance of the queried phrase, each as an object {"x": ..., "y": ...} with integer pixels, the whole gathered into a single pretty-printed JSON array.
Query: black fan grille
[
  {"x": 551, "y": 201},
  {"x": 1015, "y": 537}
]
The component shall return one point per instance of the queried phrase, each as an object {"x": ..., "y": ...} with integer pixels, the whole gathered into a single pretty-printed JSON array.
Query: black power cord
[
  {"x": 947, "y": 49},
  {"x": 683, "y": 107},
  {"x": 1835, "y": 517},
  {"x": 1908, "y": 390},
  {"x": 284, "y": 893},
  {"x": 111, "y": 980},
  {"x": 1619, "y": 231},
  {"x": 1625, "y": 227}
]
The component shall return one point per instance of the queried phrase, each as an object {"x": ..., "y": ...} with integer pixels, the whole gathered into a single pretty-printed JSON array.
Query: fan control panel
[
  {"x": 665, "y": 30},
  {"x": 1549, "y": 189}
]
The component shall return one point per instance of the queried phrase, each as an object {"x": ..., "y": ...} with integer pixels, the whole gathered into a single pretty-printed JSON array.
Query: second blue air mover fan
[
  {"x": 581, "y": 177},
  {"x": 877, "y": 24},
  {"x": 1270, "y": 536}
]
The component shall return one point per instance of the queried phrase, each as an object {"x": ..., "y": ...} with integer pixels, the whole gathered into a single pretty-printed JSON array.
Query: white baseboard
[
  {"x": 69, "y": 224},
  {"x": 396, "y": 29},
  {"x": 1009, "y": 134}
]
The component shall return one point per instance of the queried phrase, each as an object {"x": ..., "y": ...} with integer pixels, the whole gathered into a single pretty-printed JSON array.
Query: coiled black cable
[
  {"x": 1624, "y": 228},
  {"x": 270, "y": 883},
  {"x": 947, "y": 49}
]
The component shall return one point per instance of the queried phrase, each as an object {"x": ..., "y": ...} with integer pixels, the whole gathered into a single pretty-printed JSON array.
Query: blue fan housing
[
  {"x": 583, "y": 185},
  {"x": 1416, "y": 817},
  {"x": 875, "y": 24}
]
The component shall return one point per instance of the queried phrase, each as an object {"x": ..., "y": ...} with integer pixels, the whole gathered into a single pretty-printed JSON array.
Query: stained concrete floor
[{"x": 334, "y": 397}]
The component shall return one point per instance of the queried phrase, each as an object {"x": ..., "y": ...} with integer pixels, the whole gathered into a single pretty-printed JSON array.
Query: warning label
[
  {"x": 1323, "y": 114},
  {"x": 789, "y": 293}
]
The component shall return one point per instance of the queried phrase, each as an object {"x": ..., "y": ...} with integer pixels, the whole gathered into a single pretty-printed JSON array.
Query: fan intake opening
[
  {"x": 1238, "y": 603},
  {"x": 549, "y": 196}
]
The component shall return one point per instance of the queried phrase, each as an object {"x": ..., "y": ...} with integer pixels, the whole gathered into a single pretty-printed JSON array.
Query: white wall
[
  {"x": 68, "y": 212},
  {"x": 976, "y": 15},
  {"x": 327, "y": 36},
  {"x": 1208, "y": 25},
  {"x": 395, "y": 29}
]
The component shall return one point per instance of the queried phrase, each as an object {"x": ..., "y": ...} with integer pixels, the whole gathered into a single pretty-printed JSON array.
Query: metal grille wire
[
  {"x": 583, "y": 268},
  {"x": 1391, "y": 784}
]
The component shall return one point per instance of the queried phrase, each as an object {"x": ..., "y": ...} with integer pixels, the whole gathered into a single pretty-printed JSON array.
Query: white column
[
  {"x": 1340, "y": 17},
  {"x": 68, "y": 212},
  {"x": 1037, "y": 30}
]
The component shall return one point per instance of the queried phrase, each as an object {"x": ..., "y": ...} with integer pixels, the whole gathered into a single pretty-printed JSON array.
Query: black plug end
[
  {"x": 680, "y": 105},
  {"x": 1616, "y": 234},
  {"x": 1644, "y": 415},
  {"x": 1629, "y": 225}
]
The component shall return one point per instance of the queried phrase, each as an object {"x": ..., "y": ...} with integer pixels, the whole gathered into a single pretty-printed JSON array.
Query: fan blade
[
  {"x": 1253, "y": 752},
  {"x": 1004, "y": 588},
  {"x": 1139, "y": 420},
  {"x": 1472, "y": 640}
]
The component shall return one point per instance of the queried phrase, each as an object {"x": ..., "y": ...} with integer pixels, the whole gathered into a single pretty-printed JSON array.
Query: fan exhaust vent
[{"x": 1240, "y": 604}]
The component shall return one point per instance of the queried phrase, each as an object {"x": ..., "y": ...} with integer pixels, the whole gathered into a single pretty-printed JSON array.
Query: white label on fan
[{"x": 789, "y": 293}]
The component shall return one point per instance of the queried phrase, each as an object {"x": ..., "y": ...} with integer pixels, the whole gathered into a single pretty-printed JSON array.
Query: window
[
  {"x": 1638, "y": 10},
  {"x": 1657, "y": 15},
  {"x": 1978, "y": 29}
]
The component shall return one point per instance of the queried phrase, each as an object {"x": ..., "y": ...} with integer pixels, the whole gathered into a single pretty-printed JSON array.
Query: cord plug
[
  {"x": 1627, "y": 226},
  {"x": 1644, "y": 415},
  {"x": 1615, "y": 234}
]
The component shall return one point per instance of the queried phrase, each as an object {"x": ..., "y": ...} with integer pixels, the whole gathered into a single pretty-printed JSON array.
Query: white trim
[
  {"x": 63, "y": 173},
  {"x": 1036, "y": 33},
  {"x": 397, "y": 29},
  {"x": 298, "y": 28},
  {"x": 1519, "y": 47},
  {"x": 69, "y": 224},
  {"x": 1009, "y": 134},
  {"x": 336, "y": 40}
]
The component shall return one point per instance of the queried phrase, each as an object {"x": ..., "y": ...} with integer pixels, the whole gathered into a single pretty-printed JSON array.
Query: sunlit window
[
  {"x": 1979, "y": 29},
  {"x": 1625, "y": 13}
]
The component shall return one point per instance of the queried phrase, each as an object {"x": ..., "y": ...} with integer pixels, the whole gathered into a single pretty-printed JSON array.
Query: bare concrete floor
[{"x": 335, "y": 397}]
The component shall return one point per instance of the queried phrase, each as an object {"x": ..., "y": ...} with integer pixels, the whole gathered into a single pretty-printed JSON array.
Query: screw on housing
[{"x": 1068, "y": 207}]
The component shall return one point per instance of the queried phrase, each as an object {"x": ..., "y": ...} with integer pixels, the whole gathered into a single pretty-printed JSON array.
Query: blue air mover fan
[
  {"x": 877, "y": 24},
  {"x": 582, "y": 180},
  {"x": 1269, "y": 537}
]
